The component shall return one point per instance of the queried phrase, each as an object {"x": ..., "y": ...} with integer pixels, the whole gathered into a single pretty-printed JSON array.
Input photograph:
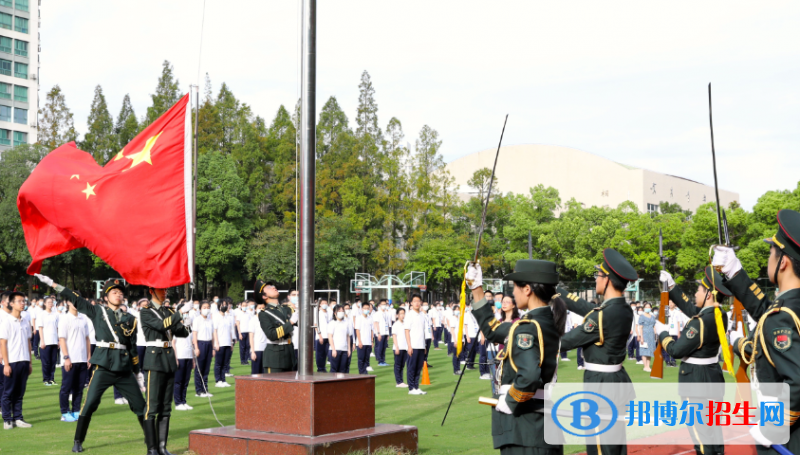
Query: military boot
[
  {"x": 163, "y": 435},
  {"x": 150, "y": 436},
  {"x": 80, "y": 433}
]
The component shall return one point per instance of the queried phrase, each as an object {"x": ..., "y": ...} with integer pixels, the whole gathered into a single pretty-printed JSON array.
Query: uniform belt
[
  {"x": 701, "y": 361},
  {"x": 602, "y": 368},
  {"x": 280, "y": 342},
  {"x": 157, "y": 344},
  {"x": 103, "y": 344},
  {"x": 541, "y": 394}
]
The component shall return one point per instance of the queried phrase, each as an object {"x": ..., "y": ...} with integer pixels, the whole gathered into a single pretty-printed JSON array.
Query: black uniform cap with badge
[
  {"x": 258, "y": 289},
  {"x": 114, "y": 283},
  {"x": 787, "y": 239},
  {"x": 617, "y": 268},
  {"x": 533, "y": 271},
  {"x": 713, "y": 280}
]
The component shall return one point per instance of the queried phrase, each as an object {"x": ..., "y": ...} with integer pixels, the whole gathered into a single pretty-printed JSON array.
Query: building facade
[
  {"x": 576, "y": 174},
  {"x": 19, "y": 72}
]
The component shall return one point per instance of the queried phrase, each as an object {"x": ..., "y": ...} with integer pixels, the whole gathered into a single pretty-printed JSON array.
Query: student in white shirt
[
  {"x": 224, "y": 340},
  {"x": 400, "y": 348},
  {"x": 428, "y": 330},
  {"x": 471, "y": 330},
  {"x": 258, "y": 341},
  {"x": 436, "y": 320},
  {"x": 35, "y": 310},
  {"x": 414, "y": 325},
  {"x": 202, "y": 339},
  {"x": 321, "y": 341},
  {"x": 352, "y": 331},
  {"x": 339, "y": 337},
  {"x": 47, "y": 325},
  {"x": 243, "y": 318},
  {"x": 364, "y": 328},
  {"x": 453, "y": 324},
  {"x": 183, "y": 352},
  {"x": 448, "y": 312},
  {"x": 381, "y": 322},
  {"x": 141, "y": 342},
  {"x": 73, "y": 337},
  {"x": 15, "y": 350}
]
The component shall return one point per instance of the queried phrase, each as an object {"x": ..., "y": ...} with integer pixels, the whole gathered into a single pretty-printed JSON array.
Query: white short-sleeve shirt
[
  {"x": 204, "y": 327},
  {"x": 224, "y": 326},
  {"x": 428, "y": 326},
  {"x": 323, "y": 324},
  {"x": 17, "y": 333},
  {"x": 364, "y": 324},
  {"x": 259, "y": 337},
  {"x": 399, "y": 332},
  {"x": 415, "y": 324},
  {"x": 339, "y": 332},
  {"x": 74, "y": 330},
  {"x": 48, "y": 323},
  {"x": 244, "y": 321},
  {"x": 471, "y": 325}
]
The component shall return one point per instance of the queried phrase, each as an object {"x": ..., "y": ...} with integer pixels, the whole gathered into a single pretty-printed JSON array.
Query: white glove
[
  {"x": 755, "y": 432},
  {"x": 752, "y": 323},
  {"x": 502, "y": 406},
  {"x": 45, "y": 279},
  {"x": 661, "y": 328},
  {"x": 665, "y": 277},
  {"x": 294, "y": 318},
  {"x": 725, "y": 257},
  {"x": 736, "y": 334},
  {"x": 140, "y": 380},
  {"x": 474, "y": 276}
]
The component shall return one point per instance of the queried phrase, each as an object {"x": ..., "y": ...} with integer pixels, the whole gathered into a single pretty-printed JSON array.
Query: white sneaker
[
  {"x": 463, "y": 362},
  {"x": 372, "y": 355},
  {"x": 200, "y": 395},
  {"x": 370, "y": 369},
  {"x": 220, "y": 384},
  {"x": 187, "y": 407},
  {"x": 413, "y": 392},
  {"x": 402, "y": 385},
  {"x": 421, "y": 392},
  {"x": 565, "y": 359},
  {"x": 180, "y": 407},
  {"x": 207, "y": 395},
  {"x": 639, "y": 363},
  {"x": 486, "y": 376},
  {"x": 228, "y": 375},
  {"x": 580, "y": 367},
  {"x": 22, "y": 424},
  {"x": 125, "y": 401},
  {"x": 119, "y": 401},
  {"x": 227, "y": 384},
  {"x": 8, "y": 425}
]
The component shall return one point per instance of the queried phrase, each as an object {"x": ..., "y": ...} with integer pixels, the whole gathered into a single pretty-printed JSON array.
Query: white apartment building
[{"x": 19, "y": 72}]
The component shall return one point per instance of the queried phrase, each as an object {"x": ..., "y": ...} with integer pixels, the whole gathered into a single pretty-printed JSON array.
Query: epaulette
[{"x": 511, "y": 340}]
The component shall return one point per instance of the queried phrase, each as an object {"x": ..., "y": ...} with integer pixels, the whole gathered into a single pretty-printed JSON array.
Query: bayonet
[{"x": 714, "y": 162}]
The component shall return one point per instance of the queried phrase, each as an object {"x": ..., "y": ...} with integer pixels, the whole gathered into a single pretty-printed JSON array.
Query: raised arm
[{"x": 575, "y": 303}]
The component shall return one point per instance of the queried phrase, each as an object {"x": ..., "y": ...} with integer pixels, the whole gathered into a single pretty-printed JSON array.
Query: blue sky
[{"x": 625, "y": 80}]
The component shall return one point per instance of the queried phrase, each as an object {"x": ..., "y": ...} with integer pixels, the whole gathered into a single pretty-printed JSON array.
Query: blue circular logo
[{"x": 577, "y": 414}]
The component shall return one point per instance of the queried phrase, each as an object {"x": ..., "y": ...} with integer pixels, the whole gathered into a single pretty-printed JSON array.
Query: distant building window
[
  {"x": 5, "y": 20},
  {"x": 5, "y": 67},
  {"x": 6, "y": 3},
  {"x": 652, "y": 208},
  {"x": 5, "y": 91},
  {"x": 22, "y": 5},
  {"x": 20, "y": 138},
  {"x": 5, "y": 137},
  {"x": 20, "y": 24},
  {"x": 21, "y": 116},
  {"x": 21, "y": 70},
  {"x": 21, "y": 93},
  {"x": 5, "y": 44},
  {"x": 21, "y": 48},
  {"x": 5, "y": 113}
]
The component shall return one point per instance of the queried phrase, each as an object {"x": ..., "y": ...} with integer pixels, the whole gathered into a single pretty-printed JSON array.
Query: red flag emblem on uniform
[{"x": 134, "y": 212}]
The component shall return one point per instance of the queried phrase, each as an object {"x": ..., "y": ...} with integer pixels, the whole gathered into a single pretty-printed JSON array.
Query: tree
[
  {"x": 100, "y": 140},
  {"x": 56, "y": 126},
  {"x": 272, "y": 255},
  {"x": 127, "y": 127},
  {"x": 166, "y": 95},
  {"x": 367, "y": 119},
  {"x": 209, "y": 128},
  {"x": 480, "y": 182}
]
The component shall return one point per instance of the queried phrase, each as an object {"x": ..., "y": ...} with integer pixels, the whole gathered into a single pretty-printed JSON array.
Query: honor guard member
[
  {"x": 773, "y": 348},
  {"x": 115, "y": 360},
  {"x": 603, "y": 335},
  {"x": 160, "y": 325},
  {"x": 699, "y": 347},
  {"x": 275, "y": 322},
  {"x": 530, "y": 357}
]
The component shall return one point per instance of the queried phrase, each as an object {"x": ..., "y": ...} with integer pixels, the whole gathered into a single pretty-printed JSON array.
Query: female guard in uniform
[{"x": 530, "y": 359}]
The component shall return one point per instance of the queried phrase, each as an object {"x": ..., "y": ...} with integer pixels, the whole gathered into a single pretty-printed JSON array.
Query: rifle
[{"x": 657, "y": 371}]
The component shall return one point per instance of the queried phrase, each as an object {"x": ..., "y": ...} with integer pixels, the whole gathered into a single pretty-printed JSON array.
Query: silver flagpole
[{"x": 307, "y": 197}]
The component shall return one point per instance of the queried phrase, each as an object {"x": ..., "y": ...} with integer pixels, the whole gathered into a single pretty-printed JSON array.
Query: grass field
[{"x": 115, "y": 430}]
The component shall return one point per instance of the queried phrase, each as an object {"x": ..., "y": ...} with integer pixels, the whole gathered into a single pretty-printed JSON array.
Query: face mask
[
  {"x": 647, "y": 310},
  {"x": 366, "y": 312},
  {"x": 640, "y": 311},
  {"x": 216, "y": 300},
  {"x": 323, "y": 306},
  {"x": 498, "y": 305},
  {"x": 250, "y": 310},
  {"x": 455, "y": 313},
  {"x": 347, "y": 312},
  {"x": 204, "y": 311},
  {"x": 293, "y": 299},
  {"x": 196, "y": 306},
  {"x": 383, "y": 308},
  {"x": 425, "y": 307},
  {"x": 340, "y": 315}
]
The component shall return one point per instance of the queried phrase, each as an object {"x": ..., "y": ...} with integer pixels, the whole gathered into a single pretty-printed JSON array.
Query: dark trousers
[
  {"x": 338, "y": 363},
  {"x": 633, "y": 349},
  {"x": 564, "y": 354},
  {"x": 102, "y": 379},
  {"x": 222, "y": 356},
  {"x": 400, "y": 361},
  {"x": 483, "y": 359},
  {"x": 202, "y": 367},
  {"x": 347, "y": 363},
  {"x": 427, "y": 348},
  {"x": 321, "y": 353},
  {"x": 89, "y": 374},
  {"x": 141, "y": 351},
  {"x": 14, "y": 391},
  {"x": 380, "y": 347},
  {"x": 467, "y": 350},
  {"x": 182, "y": 377},
  {"x": 447, "y": 339},
  {"x": 72, "y": 382},
  {"x": 579, "y": 356},
  {"x": 257, "y": 365},
  {"x": 458, "y": 358},
  {"x": 49, "y": 357},
  {"x": 437, "y": 335},
  {"x": 35, "y": 344},
  {"x": 415, "y": 363},
  {"x": 363, "y": 358},
  {"x": 160, "y": 388},
  {"x": 244, "y": 348}
]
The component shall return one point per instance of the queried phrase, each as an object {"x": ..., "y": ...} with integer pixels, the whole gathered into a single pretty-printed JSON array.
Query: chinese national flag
[{"x": 135, "y": 212}]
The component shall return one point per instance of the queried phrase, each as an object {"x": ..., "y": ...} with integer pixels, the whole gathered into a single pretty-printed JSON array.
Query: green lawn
[{"x": 115, "y": 430}]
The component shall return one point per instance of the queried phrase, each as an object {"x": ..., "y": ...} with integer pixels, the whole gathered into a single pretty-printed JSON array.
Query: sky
[{"x": 625, "y": 80}]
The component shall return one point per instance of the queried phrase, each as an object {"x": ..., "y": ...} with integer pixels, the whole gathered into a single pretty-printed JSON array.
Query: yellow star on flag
[
  {"x": 89, "y": 191},
  {"x": 144, "y": 155},
  {"x": 120, "y": 155},
  {"x": 75, "y": 176}
]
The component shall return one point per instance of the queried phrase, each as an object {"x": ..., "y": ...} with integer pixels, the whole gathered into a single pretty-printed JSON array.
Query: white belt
[
  {"x": 701, "y": 361},
  {"x": 541, "y": 394},
  {"x": 280, "y": 343},
  {"x": 103, "y": 344},
  {"x": 602, "y": 368},
  {"x": 157, "y": 344}
]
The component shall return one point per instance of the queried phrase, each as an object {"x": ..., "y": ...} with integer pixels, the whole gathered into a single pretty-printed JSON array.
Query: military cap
[
  {"x": 534, "y": 271},
  {"x": 259, "y": 288},
  {"x": 788, "y": 236},
  {"x": 713, "y": 280},
  {"x": 114, "y": 283},
  {"x": 613, "y": 262}
]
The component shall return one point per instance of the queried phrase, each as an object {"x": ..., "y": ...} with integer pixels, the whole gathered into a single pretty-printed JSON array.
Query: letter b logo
[{"x": 582, "y": 409}]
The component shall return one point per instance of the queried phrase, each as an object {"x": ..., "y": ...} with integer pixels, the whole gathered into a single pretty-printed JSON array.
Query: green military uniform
[
  {"x": 773, "y": 348},
  {"x": 275, "y": 322},
  {"x": 115, "y": 359},
  {"x": 160, "y": 324},
  {"x": 528, "y": 362},
  {"x": 603, "y": 335},
  {"x": 699, "y": 347}
]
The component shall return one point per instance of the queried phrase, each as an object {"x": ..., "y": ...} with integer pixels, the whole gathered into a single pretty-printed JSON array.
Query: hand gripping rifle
[
  {"x": 658, "y": 362},
  {"x": 464, "y": 283}
]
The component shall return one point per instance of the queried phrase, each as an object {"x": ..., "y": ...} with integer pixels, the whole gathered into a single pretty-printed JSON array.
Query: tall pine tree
[
  {"x": 166, "y": 94},
  {"x": 56, "y": 125},
  {"x": 100, "y": 139},
  {"x": 127, "y": 126}
]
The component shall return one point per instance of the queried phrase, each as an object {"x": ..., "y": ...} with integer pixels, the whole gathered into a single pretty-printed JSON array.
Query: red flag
[{"x": 135, "y": 212}]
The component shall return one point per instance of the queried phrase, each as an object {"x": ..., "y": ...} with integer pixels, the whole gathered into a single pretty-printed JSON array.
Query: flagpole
[
  {"x": 194, "y": 188},
  {"x": 307, "y": 199}
]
